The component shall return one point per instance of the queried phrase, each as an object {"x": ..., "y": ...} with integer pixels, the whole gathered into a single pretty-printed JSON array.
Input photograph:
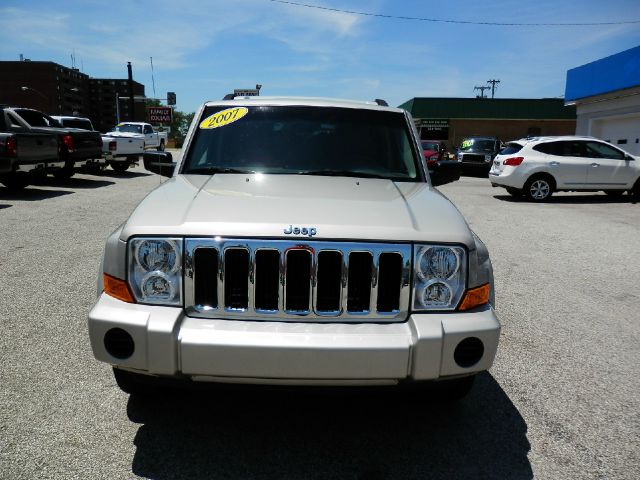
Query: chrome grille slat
[{"x": 312, "y": 313}]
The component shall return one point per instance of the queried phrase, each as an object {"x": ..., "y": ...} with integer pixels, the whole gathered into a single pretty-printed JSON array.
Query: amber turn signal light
[
  {"x": 475, "y": 297},
  {"x": 117, "y": 289}
]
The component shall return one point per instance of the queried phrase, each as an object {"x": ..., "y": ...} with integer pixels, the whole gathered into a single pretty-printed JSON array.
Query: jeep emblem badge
[{"x": 308, "y": 231}]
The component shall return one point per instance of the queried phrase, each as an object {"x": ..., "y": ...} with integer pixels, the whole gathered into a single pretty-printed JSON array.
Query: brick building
[
  {"x": 452, "y": 119},
  {"x": 59, "y": 90}
]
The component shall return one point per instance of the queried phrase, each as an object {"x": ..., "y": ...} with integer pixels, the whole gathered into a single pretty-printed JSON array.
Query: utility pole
[
  {"x": 493, "y": 86},
  {"x": 482, "y": 89}
]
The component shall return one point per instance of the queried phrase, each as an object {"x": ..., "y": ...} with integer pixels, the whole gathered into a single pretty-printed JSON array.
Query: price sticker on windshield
[
  {"x": 223, "y": 118},
  {"x": 466, "y": 144}
]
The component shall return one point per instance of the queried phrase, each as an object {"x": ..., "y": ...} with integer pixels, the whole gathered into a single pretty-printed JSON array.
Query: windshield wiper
[
  {"x": 327, "y": 172},
  {"x": 214, "y": 170}
]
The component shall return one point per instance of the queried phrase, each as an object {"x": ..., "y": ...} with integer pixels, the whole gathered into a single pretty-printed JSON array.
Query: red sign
[{"x": 159, "y": 115}]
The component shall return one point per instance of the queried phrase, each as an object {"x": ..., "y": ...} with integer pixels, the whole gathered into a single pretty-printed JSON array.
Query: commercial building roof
[
  {"x": 609, "y": 74},
  {"x": 490, "y": 108}
]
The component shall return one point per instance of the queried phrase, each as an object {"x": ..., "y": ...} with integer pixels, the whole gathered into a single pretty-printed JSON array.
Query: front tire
[
  {"x": 539, "y": 188},
  {"x": 119, "y": 167},
  {"x": 15, "y": 182},
  {"x": 455, "y": 389},
  {"x": 161, "y": 147},
  {"x": 64, "y": 173},
  {"x": 132, "y": 383}
]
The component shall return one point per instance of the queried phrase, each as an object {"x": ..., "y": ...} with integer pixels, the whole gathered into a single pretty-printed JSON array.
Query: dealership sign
[
  {"x": 159, "y": 115},
  {"x": 432, "y": 124}
]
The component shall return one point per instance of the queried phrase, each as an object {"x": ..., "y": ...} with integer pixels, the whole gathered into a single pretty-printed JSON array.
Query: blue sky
[{"x": 204, "y": 49}]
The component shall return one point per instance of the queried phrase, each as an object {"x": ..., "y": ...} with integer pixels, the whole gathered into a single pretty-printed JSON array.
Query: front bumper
[{"x": 169, "y": 343}]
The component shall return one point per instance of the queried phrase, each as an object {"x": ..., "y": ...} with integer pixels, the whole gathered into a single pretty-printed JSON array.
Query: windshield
[
  {"x": 477, "y": 144},
  {"x": 303, "y": 140},
  {"x": 36, "y": 119},
  {"x": 430, "y": 146},
  {"x": 128, "y": 127}
]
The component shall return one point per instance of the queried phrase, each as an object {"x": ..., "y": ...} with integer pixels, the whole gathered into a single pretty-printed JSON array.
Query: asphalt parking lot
[{"x": 560, "y": 402}]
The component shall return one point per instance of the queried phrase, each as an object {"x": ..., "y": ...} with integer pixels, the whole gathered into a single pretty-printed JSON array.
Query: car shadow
[
  {"x": 31, "y": 194},
  {"x": 325, "y": 434},
  {"x": 559, "y": 198},
  {"x": 73, "y": 182},
  {"x": 2, "y": 205},
  {"x": 125, "y": 174}
]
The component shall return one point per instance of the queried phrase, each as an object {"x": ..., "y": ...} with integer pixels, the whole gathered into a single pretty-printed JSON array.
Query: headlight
[
  {"x": 440, "y": 276},
  {"x": 155, "y": 270}
]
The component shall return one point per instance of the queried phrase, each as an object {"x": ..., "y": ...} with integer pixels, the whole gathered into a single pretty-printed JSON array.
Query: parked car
[
  {"x": 75, "y": 146},
  {"x": 433, "y": 151},
  {"x": 119, "y": 149},
  {"x": 82, "y": 123},
  {"x": 25, "y": 154},
  {"x": 476, "y": 154},
  {"x": 537, "y": 167},
  {"x": 299, "y": 241},
  {"x": 438, "y": 162},
  {"x": 152, "y": 138},
  {"x": 122, "y": 149}
]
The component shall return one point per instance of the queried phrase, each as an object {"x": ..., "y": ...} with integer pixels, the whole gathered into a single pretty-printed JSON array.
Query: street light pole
[{"x": 26, "y": 89}]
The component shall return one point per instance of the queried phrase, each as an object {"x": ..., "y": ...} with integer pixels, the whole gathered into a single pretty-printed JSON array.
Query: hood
[
  {"x": 429, "y": 153},
  {"x": 123, "y": 135},
  {"x": 338, "y": 208}
]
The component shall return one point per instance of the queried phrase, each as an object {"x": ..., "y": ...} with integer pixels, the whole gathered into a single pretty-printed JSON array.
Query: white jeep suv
[
  {"x": 299, "y": 241},
  {"x": 536, "y": 167}
]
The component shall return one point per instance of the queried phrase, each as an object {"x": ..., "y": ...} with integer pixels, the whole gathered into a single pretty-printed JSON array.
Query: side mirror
[
  {"x": 445, "y": 172},
  {"x": 159, "y": 162}
]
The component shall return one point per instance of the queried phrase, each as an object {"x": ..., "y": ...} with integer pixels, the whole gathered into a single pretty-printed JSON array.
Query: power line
[{"x": 444, "y": 20}]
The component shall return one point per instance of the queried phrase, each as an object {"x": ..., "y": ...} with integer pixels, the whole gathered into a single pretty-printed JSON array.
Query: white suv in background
[{"x": 536, "y": 167}]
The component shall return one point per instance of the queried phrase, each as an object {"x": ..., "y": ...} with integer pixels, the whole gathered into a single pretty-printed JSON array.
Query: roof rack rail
[
  {"x": 229, "y": 96},
  {"x": 382, "y": 103}
]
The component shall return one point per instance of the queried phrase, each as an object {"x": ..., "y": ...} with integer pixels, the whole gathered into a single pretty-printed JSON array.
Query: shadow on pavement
[
  {"x": 2, "y": 205},
  {"x": 125, "y": 174},
  {"x": 305, "y": 434},
  {"x": 559, "y": 198},
  {"x": 31, "y": 194},
  {"x": 72, "y": 182}
]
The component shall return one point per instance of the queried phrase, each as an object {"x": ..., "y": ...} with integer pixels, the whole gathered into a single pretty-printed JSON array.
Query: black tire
[
  {"x": 133, "y": 383},
  {"x": 514, "y": 192},
  {"x": 455, "y": 389},
  {"x": 15, "y": 181},
  {"x": 64, "y": 173},
  {"x": 634, "y": 193},
  {"x": 539, "y": 188},
  {"x": 119, "y": 167},
  {"x": 161, "y": 147},
  {"x": 614, "y": 193}
]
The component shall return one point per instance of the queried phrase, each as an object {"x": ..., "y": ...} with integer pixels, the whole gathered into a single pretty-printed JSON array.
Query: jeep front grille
[
  {"x": 474, "y": 157},
  {"x": 297, "y": 280}
]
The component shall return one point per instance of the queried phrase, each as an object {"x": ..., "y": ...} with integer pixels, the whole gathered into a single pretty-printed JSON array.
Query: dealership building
[
  {"x": 452, "y": 119},
  {"x": 606, "y": 95}
]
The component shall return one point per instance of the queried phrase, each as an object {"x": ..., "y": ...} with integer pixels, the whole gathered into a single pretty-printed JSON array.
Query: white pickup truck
[
  {"x": 152, "y": 139},
  {"x": 121, "y": 149}
]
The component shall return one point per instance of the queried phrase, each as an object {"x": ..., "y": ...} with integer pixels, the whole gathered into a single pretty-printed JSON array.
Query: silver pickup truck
[{"x": 298, "y": 242}]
